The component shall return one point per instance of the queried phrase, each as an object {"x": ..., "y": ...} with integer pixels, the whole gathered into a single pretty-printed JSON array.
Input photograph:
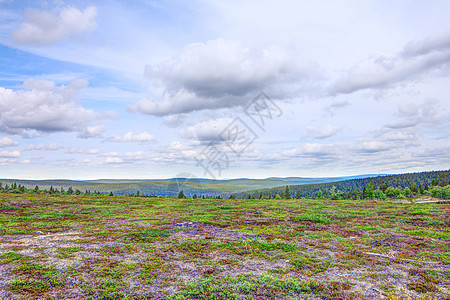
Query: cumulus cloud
[
  {"x": 206, "y": 131},
  {"x": 404, "y": 137},
  {"x": 94, "y": 151},
  {"x": 6, "y": 161},
  {"x": 129, "y": 137},
  {"x": 433, "y": 43},
  {"x": 127, "y": 158},
  {"x": 9, "y": 154},
  {"x": 384, "y": 71},
  {"x": 410, "y": 115},
  {"x": 220, "y": 74},
  {"x": 69, "y": 162},
  {"x": 321, "y": 133},
  {"x": 43, "y": 27},
  {"x": 41, "y": 106},
  {"x": 75, "y": 150},
  {"x": 330, "y": 109},
  {"x": 51, "y": 147},
  {"x": 7, "y": 142},
  {"x": 92, "y": 132},
  {"x": 176, "y": 152},
  {"x": 314, "y": 152},
  {"x": 175, "y": 120},
  {"x": 373, "y": 146},
  {"x": 113, "y": 160}
]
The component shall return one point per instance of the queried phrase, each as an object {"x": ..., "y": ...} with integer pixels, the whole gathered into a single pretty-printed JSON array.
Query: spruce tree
[
  {"x": 370, "y": 190},
  {"x": 287, "y": 193}
]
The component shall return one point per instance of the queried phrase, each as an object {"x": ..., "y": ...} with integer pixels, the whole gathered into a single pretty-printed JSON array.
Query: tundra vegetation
[{"x": 101, "y": 246}]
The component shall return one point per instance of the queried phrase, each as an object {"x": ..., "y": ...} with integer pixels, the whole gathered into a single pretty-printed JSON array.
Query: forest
[{"x": 433, "y": 183}]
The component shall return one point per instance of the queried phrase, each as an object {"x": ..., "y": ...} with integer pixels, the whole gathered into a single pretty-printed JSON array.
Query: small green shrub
[
  {"x": 314, "y": 218},
  {"x": 9, "y": 257},
  {"x": 440, "y": 192}
]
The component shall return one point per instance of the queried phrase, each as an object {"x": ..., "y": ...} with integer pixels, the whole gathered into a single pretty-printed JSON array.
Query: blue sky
[{"x": 155, "y": 89}]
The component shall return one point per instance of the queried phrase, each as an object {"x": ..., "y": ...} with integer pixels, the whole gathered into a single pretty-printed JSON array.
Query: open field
[{"x": 101, "y": 247}]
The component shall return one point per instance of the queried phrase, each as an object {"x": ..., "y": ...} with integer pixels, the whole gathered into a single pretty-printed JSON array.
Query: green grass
[
  {"x": 10, "y": 257},
  {"x": 314, "y": 218}
]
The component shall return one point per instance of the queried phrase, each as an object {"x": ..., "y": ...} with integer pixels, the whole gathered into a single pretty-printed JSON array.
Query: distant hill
[
  {"x": 172, "y": 186},
  {"x": 310, "y": 190}
]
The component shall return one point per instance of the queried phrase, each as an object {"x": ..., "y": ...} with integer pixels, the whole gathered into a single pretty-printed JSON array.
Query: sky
[{"x": 223, "y": 89}]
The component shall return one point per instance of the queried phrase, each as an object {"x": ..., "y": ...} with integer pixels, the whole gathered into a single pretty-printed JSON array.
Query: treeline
[
  {"x": 434, "y": 183},
  {"x": 15, "y": 188},
  {"x": 143, "y": 188},
  {"x": 182, "y": 195}
]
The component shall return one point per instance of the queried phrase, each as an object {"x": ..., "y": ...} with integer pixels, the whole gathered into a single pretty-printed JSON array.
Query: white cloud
[
  {"x": 75, "y": 150},
  {"x": 43, "y": 107},
  {"x": 136, "y": 156},
  {"x": 175, "y": 152},
  {"x": 111, "y": 154},
  {"x": 175, "y": 120},
  {"x": 69, "y": 162},
  {"x": 51, "y": 147},
  {"x": 221, "y": 73},
  {"x": 206, "y": 131},
  {"x": 403, "y": 137},
  {"x": 6, "y": 161},
  {"x": 330, "y": 109},
  {"x": 44, "y": 28},
  {"x": 7, "y": 142},
  {"x": 92, "y": 132},
  {"x": 321, "y": 133},
  {"x": 373, "y": 146},
  {"x": 432, "y": 43},
  {"x": 129, "y": 137},
  {"x": 427, "y": 113},
  {"x": 315, "y": 152},
  {"x": 9, "y": 154},
  {"x": 113, "y": 160},
  {"x": 382, "y": 71},
  {"x": 94, "y": 151}
]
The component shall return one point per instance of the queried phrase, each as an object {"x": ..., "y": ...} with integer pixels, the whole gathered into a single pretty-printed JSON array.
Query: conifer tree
[{"x": 287, "y": 193}]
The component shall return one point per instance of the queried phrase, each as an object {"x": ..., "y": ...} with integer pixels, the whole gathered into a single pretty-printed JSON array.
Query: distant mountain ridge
[{"x": 172, "y": 186}]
